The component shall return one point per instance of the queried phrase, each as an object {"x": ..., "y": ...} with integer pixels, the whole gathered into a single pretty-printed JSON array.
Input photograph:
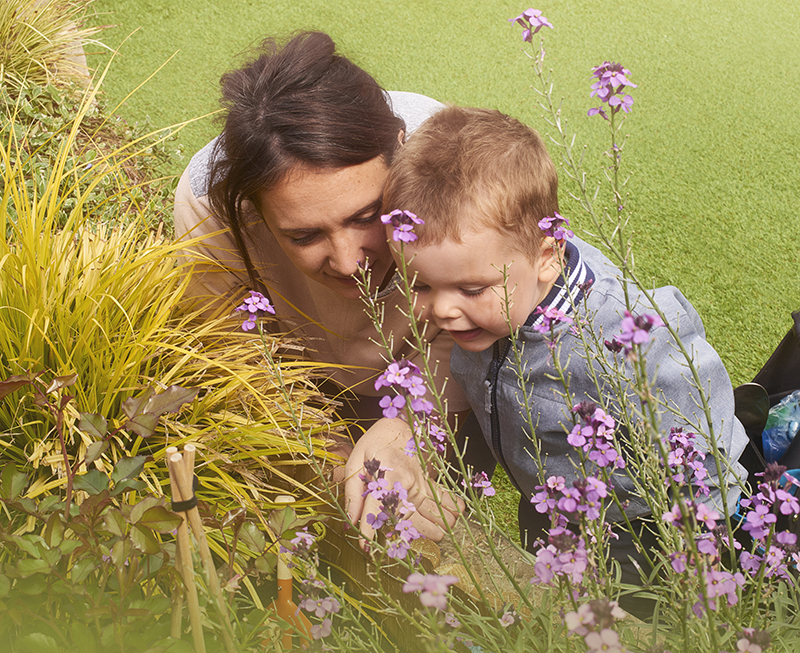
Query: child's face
[{"x": 459, "y": 286}]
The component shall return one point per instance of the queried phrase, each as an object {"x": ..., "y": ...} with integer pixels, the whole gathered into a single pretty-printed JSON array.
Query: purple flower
[
  {"x": 434, "y": 589},
  {"x": 392, "y": 405},
  {"x": 753, "y": 641},
  {"x": 403, "y": 223},
  {"x": 610, "y": 88},
  {"x": 377, "y": 521},
  {"x": 758, "y": 521},
  {"x": 532, "y": 21},
  {"x": 320, "y": 606},
  {"x": 256, "y": 306},
  {"x": 550, "y": 317},
  {"x": 636, "y": 330},
  {"x": 556, "y": 227},
  {"x": 322, "y": 630},
  {"x": 480, "y": 481}
]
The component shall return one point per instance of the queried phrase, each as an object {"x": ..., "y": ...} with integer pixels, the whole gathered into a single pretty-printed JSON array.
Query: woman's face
[{"x": 328, "y": 220}]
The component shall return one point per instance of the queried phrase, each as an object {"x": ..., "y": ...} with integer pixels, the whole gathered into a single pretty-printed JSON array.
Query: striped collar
[{"x": 569, "y": 288}]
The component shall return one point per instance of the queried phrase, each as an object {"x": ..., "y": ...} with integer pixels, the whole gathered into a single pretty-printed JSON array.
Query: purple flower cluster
[
  {"x": 551, "y": 316},
  {"x": 532, "y": 21},
  {"x": 564, "y": 555},
  {"x": 718, "y": 584},
  {"x": 584, "y": 497},
  {"x": 556, "y": 227},
  {"x": 685, "y": 461},
  {"x": 405, "y": 379},
  {"x": 611, "y": 87},
  {"x": 633, "y": 331},
  {"x": 302, "y": 543},
  {"x": 753, "y": 641},
  {"x": 403, "y": 223},
  {"x": 772, "y": 499},
  {"x": 480, "y": 481},
  {"x": 312, "y": 601},
  {"x": 594, "y": 621},
  {"x": 256, "y": 306},
  {"x": 395, "y": 508},
  {"x": 433, "y": 589},
  {"x": 595, "y": 435}
]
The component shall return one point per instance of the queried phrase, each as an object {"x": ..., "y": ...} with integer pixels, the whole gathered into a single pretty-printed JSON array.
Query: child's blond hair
[{"x": 471, "y": 168}]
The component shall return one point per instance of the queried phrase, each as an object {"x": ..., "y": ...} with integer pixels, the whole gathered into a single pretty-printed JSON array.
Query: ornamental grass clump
[
  {"x": 714, "y": 576},
  {"x": 96, "y": 295},
  {"x": 42, "y": 42}
]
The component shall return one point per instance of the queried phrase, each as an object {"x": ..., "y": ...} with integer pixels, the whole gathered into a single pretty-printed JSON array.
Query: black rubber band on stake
[{"x": 183, "y": 506}]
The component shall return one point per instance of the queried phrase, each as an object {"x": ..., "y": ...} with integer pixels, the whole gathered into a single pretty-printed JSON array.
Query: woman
[{"x": 287, "y": 201}]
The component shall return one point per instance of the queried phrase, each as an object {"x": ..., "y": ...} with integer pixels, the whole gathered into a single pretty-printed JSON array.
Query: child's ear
[{"x": 551, "y": 260}]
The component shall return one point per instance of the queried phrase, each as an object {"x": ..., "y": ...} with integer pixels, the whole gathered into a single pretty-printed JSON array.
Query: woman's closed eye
[
  {"x": 306, "y": 239},
  {"x": 473, "y": 292}
]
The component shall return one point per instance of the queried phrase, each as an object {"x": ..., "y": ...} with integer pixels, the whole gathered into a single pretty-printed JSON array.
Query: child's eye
[
  {"x": 420, "y": 287},
  {"x": 472, "y": 292}
]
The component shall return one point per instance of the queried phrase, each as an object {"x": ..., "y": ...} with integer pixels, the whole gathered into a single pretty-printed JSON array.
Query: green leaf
[
  {"x": 5, "y": 586},
  {"x": 94, "y": 482},
  {"x": 68, "y": 546},
  {"x": 82, "y": 638},
  {"x": 120, "y": 553},
  {"x": 39, "y": 643},
  {"x": 171, "y": 645},
  {"x": 13, "y": 383},
  {"x": 32, "y": 586},
  {"x": 266, "y": 563},
  {"x": 143, "y": 425},
  {"x": 28, "y": 567},
  {"x": 160, "y": 519},
  {"x": 115, "y": 522},
  {"x": 28, "y": 543},
  {"x": 252, "y": 538},
  {"x": 128, "y": 468},
  {"x": 61, "y": 382},
  {"x": 126, "y": 485},
  {"x": 143, "y": 506},
  {"x": 133, "y": 406},
  {"x": 81, "y": 570},
  {"x": 95, "y": 450},
  {"x": 170, "y": 400},
  {"x": 12, "y": 482},
  {"x": 144, "y": 539},
  {"x": 282, "y": 520},
  {"x": 93, "y": 424},
  {"x": 54, "y": 530}
]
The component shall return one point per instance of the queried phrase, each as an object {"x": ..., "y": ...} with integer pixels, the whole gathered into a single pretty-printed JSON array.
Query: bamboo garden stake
[{"x": 174, "y": 463}]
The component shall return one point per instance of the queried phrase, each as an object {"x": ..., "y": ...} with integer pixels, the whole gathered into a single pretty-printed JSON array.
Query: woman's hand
[{"x": 386, "y": 442}]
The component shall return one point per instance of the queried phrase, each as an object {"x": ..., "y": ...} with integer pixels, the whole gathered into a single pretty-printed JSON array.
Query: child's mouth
[{"x": 465, "y": 336}]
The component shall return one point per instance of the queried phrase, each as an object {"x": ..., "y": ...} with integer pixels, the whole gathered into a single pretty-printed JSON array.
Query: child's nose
[{"x": 443, "y": 307}]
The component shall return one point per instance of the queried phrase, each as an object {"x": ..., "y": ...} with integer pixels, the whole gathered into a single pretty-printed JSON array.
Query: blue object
[{"x": 781, "y": 427}]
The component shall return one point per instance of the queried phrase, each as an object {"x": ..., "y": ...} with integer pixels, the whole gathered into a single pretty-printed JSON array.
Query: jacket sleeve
[{"x": 676, "y": 387}]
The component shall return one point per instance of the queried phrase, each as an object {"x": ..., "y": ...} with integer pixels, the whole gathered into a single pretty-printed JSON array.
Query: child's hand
[{"x": 385, "y": 442}]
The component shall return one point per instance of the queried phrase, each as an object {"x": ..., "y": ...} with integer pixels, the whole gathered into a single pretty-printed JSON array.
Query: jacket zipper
[{"x": 498, "y": 358}]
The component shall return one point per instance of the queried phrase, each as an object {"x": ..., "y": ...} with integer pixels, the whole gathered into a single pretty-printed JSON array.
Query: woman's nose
[{"x": 344, "y": 256}]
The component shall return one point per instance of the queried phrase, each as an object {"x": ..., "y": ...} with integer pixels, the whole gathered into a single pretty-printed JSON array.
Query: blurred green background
[{"x": 714, "y": 141}]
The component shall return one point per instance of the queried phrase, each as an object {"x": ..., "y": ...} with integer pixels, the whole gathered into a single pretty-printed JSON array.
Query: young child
[{"x": 481, "y": 182}]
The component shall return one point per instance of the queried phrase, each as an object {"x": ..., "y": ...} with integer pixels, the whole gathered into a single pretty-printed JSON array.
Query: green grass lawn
[{"x": 714, "y": 139}]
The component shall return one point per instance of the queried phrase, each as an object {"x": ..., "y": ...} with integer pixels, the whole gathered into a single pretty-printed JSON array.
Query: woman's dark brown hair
[{"x": 296, "y": 104}]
